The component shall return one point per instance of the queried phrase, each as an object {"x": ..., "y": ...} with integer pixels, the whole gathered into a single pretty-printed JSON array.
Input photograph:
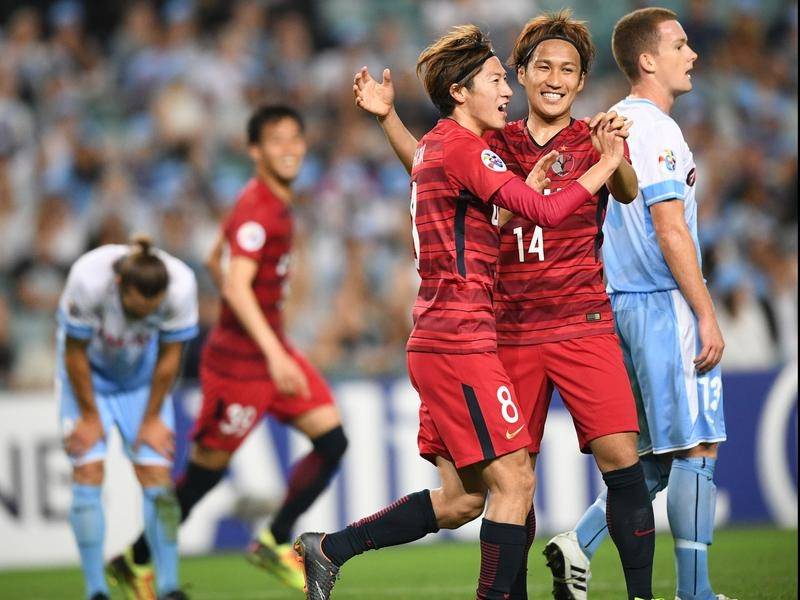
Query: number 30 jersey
[
  {"x": 549, "y": 283},
  {"x": 260, "y": 228}
]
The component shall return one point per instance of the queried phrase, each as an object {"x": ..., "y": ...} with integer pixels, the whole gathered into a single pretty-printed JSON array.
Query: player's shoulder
[
  {"x": 254, "y": 200},
  {"x": 649, "y": 121},
  {"x": 95, "y": 268},
  {"x": 180, "y": 274}
]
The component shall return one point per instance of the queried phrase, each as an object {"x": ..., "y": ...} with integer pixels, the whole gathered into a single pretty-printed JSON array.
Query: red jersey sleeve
[
  {"x": 470, "y": 163},
  {"x": 246, "y": 232}
]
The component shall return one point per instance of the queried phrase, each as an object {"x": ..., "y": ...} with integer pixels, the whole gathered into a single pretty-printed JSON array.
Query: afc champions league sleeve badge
[
  {"x": 251, "y": 236},
  {"x": 492, "y": 161},
  {"x": 667, "y": 161}
]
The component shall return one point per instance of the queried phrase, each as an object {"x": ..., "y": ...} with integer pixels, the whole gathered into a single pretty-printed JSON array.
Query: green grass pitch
[{"x": 748, "y": 564}]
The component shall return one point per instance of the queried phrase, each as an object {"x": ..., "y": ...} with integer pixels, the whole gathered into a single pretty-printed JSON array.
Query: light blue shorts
[
  {"x": 678, "y": 408},
  {"x": 125, "y": 409}
]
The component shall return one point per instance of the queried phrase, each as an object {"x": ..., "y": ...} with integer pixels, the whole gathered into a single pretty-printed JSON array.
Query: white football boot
[{"x": 569, "y": 565}]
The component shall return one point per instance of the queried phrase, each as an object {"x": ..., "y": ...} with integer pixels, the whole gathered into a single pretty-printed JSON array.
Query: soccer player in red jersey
[
  {"x": 471, "y": 426},
  {"x": 248, "y": 367},
  {"x": 554, "y": 321}
]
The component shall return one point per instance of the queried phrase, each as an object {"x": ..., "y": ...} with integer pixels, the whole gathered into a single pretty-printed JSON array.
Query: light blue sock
[
  {"x": 592, "y": 529},
  {"x": 86, "y": 518},
  {"x": 161, "y": 521},
  {"x": 691, "y": 500}
]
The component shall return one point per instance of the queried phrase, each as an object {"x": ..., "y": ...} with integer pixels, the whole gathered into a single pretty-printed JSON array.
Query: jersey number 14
[{"x": 535, "y": 247}]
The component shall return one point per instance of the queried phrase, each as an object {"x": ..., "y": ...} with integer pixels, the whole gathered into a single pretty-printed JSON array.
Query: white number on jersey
[
  {"x": 536, "y": 246},
  {"x": 414, "y": 232}
]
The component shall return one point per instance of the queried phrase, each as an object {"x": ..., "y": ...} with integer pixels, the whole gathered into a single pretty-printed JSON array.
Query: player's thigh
[
  {"x": 314, "y": 415},
  {"x": 128, "y": 408},
  {"x": 471, "y": 403},
  {"x": 230, "y": 409},
  {"x": 590, "y": 374},
  {"x": 69, "y": 412},
  {"x": 534, "y": 390},
  {"x": 681, "y": 408}
]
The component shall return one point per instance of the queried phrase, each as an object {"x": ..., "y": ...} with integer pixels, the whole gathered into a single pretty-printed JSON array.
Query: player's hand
[
  {"x": 608, "y": 143},
  {"x": 288, "y": 376},
  {"x": 537, "y": 178},
  {"x": 712, "y": 345},
  {"x": 157, "y": 435},
  {"x": 88, "y": 430},
  {"x": 616, "y": 123},
  {"x": 375, "y": 98}
]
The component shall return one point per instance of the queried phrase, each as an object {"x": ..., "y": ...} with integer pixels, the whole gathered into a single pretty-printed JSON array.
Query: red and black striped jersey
[
  {"x": 260, "y": 228},
  {"x": 549, "y": 284},
  {"x": 456, "y": 240}
]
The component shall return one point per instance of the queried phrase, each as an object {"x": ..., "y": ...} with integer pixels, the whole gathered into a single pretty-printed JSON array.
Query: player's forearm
[
  {"x": 403, "y": 143},
  {"x": 166, "y": 370},
  {"x": 547, "y": 211},
  {"x": 680, "y": 254},
  {"x": 214, "y": 263},
  {"x": 245, "y": 306},
  {"x": 623, "y": 183},
  {"x": 79, "y": 371}
]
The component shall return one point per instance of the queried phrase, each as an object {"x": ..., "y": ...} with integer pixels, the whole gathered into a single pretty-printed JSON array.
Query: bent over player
[
  {"x": 248, "y": 367},
  {"x": 554, "y": 321},
  {"x": 123, "y": 318},
  {"x": 471, "y": 426}
]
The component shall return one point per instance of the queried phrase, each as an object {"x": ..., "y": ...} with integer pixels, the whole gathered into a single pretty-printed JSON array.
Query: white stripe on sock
[{"x": 687, "y": 545}]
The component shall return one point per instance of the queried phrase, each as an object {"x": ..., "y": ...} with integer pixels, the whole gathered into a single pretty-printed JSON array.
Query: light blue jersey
[
  {"x": 678, "y": 408},
  {"x": 122, "y": 352},
  {"x": 665, "y": 167}
]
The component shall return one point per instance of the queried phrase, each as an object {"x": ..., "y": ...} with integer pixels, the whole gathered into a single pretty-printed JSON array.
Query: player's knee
[
  {"x": 210, "y": 458},
  {"x": 89, "y": 474},
  {"x": 702, "y": 450},
  {"x": 152, "y": 475},
  {"x": 331, "y": 445}
]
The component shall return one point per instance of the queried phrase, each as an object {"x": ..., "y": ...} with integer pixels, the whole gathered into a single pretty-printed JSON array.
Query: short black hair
[{"x": 269, "y": 113}]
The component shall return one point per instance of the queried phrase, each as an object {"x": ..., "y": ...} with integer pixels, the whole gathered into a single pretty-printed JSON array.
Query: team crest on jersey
[
  {"x": 494, "y": 162},
  {"x": 563, "y": 165},
  {"x": 419, "y": 155},
  {"x": 667, "y": 161},
  {"x": 251, "y": 236}
]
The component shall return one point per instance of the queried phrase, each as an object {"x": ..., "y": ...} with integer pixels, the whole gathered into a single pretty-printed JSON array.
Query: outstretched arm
[{"x": 378, "y": 99}]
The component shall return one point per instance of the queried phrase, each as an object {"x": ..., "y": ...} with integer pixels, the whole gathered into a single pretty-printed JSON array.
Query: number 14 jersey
[{"x": 549, "y": 284}]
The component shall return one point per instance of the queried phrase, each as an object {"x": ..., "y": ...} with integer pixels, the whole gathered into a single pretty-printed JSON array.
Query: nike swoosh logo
[
  {"x": 511, "y": 436},
  {"x": 640, "y": 533}
]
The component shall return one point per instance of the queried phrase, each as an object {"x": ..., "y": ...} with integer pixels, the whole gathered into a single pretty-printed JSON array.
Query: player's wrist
[{"x": 391, "y": 113}]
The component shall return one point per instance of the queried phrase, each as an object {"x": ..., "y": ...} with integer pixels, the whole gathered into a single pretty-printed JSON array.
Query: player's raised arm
[
  {"x": 623, "y": 183},
  {"x": 378, "y": 99},
  {"x": 237, "y": 289}
]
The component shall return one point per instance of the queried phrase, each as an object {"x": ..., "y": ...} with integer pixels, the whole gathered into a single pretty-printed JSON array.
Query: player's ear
[
  {"x": 252, "y": 151},
  {"x": 582, "y": 81},
  {"x": 457, "y": 92},
  {"x": 647, "y": 62},
  {"x": 521, "y": 76}
]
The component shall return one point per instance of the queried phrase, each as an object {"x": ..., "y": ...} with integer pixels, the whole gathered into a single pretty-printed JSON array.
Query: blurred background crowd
[{"x": 122, "y": 117}]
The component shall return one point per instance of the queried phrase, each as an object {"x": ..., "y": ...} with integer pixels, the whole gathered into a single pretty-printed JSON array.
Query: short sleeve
[
  {"x": 659, "y": 163},
  {"x": 180, "y": 318},
  {"x": 77, "y": 308},
  {"x": 470, "y": 163},
  {"x": 246, "y": 233}
]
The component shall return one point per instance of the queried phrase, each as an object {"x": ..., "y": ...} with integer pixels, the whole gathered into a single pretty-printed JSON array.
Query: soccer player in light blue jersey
[
  {"x": 663, "y": 313},
  {"x": 123, "y": 318}
]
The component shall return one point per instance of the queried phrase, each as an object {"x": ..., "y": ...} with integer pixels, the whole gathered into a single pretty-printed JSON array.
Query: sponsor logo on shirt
[
  {"x": 492, "y": 161},
  {"x": 251, "y": 236},
  {"x": 690, "y": 178},
  {"x": 667, "y": 161}
]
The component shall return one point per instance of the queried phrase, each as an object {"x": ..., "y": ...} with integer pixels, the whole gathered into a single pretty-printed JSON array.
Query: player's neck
[
  {"x": 658, "y": 95},
  {"x": 277, "y": 186},
  {"x": 543, "y": 129},
  {"x": 467, "y": 121}
]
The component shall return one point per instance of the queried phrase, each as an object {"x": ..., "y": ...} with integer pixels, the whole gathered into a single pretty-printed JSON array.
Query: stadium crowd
[{"x": 137, "y": 125}]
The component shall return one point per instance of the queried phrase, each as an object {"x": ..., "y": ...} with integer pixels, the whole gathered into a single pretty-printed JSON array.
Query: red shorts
[
  {"x": 590, "y": 375},
  {"x": 468, "y": 412},
  {"x": 232, "y": 407}
]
